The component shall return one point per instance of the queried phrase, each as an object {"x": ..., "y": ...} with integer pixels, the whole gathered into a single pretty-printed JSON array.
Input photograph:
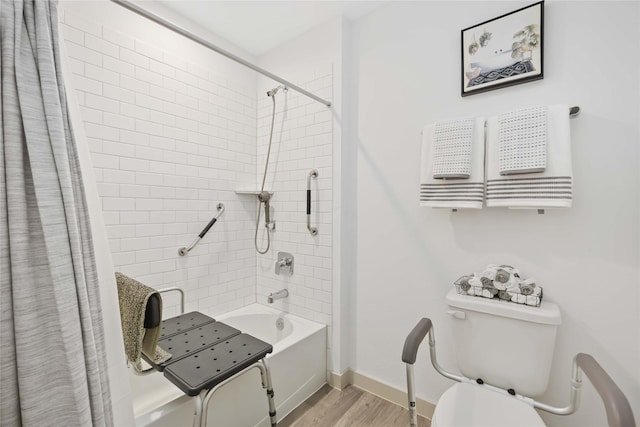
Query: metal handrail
[
  {"x": 619, "y": 412},
  {"x": 313, "y": 173},
  {"x": 185, "y": 250}
]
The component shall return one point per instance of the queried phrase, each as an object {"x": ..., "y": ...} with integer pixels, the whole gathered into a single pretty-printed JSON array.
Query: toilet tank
[{"x": 505, "y": 344}]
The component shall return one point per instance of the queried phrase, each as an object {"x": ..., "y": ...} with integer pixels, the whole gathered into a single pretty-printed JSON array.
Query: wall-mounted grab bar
[
  {"x": 313, "y": 173},
  {"x": 185, "y": 250}
]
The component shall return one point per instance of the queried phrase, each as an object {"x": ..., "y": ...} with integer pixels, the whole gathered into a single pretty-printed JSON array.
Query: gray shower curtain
[{"x": 52, "y": 358}]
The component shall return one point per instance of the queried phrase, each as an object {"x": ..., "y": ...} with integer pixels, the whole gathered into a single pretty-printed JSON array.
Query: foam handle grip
[
  {"x": 206, "y": 229},
  {"x": 308, "y": 202}
]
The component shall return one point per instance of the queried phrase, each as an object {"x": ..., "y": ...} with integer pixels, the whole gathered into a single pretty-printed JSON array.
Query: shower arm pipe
[
  {"x": 185, "y": 250},
  {"x": 313, "y": 173},
  {"x": 175, "y": 28}
]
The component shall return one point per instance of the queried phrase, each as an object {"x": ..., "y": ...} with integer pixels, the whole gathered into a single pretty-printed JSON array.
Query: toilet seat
[{"x": 467, "y": 404}]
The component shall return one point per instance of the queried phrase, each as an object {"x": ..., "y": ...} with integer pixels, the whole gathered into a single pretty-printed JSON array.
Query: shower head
[{"x": 275, "y": 90}]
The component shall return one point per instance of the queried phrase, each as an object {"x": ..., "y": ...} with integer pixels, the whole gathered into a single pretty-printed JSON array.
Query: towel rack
[
  {"x": 313, "y": 173},
  {"x": 184, "y": 250}
]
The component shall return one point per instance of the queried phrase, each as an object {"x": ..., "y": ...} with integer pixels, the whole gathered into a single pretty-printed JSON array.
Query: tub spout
[{"x": 277, "y": 295}]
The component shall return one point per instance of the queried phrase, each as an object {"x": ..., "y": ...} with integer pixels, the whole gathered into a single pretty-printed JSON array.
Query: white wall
[
  {"x": 171, "y": 128},
  {"x": 586, "y": 258},
  {"x": 305, "y": 137}
]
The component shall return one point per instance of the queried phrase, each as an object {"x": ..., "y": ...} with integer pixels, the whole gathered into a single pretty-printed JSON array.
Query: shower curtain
[{"x": 52, "y": 358}]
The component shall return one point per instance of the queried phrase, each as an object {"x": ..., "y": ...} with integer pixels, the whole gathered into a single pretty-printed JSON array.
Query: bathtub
[{"x": 298, "y": 369}]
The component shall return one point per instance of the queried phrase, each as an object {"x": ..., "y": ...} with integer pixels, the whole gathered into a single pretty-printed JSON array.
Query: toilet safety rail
[
  {"x": 185, "y": 250},
  {"x": 619, "y": 413}
]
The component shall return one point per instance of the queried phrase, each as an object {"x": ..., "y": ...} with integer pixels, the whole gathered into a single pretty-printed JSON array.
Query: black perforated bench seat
[
  {"x": 211, "y": 366},
  {"x": 205, "y": 352}
]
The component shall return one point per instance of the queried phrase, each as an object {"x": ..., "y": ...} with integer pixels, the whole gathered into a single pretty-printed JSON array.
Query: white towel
[
  {"x": 549, "y": 189},
  {"x": 452, "y": 145},
  {"x": 459, "y": 193},
  {"x": 523, "y": 140}
]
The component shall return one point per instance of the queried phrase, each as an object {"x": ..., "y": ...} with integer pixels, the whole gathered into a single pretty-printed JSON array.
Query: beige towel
[{"x": 133, "y": 297}]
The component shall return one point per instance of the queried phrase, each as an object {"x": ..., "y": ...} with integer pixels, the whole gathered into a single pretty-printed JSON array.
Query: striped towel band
[
  {"x": 452, "y": 192},
  {"x": 560, "y": 187}
]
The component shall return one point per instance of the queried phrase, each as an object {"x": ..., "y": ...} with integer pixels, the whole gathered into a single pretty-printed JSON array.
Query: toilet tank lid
[{"x": 547, "y": 313}]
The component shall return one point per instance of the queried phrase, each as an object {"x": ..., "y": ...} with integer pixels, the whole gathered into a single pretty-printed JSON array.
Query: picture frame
[{"x": 503, "y": 51}]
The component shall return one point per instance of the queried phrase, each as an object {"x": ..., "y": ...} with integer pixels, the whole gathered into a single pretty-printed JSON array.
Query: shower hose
[{"x": 264, "y": 177}]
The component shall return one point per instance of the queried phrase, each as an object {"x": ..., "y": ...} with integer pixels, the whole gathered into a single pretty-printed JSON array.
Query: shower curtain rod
[{"x": 158, "y": 20}]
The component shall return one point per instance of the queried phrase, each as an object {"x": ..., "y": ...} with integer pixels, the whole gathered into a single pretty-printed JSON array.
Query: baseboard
[
  {"x": 382, "y": 390},
  {"x": 340, "y": 381}
]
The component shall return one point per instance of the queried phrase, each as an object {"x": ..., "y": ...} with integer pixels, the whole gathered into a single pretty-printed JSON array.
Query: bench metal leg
[
  {"x": 266, "y": 383},
  {"x": 203, "y": 399},
  {"x": 197, "y": 416}
]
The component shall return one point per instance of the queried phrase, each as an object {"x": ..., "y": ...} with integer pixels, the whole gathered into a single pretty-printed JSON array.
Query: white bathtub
[{"x": 298, "y": 369}]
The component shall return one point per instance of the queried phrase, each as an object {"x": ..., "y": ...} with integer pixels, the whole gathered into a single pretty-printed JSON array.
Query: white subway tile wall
[
  {"x": 302, "y": 141},
  {"x": 169, "y": 141}
]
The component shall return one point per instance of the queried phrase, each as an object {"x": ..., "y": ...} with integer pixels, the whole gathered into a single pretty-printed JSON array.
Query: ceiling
[{"x": 259, "y": 26}]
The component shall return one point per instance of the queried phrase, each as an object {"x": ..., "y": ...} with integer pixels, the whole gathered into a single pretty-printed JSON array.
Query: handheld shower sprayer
[{"x": 264, "y": 197}]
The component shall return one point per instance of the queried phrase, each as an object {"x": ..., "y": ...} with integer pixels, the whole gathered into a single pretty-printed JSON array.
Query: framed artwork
[{"x": 503, "y": 51}]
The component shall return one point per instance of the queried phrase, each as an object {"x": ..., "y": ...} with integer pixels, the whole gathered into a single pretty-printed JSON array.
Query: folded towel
[
  {"x": 463, "y": 283},
  {"x": 532, "y": 300},
  {"x": 504, "y": 295},
  {"x": 549, "y": 189},
  {"x": 133, "y": 297},
  {"x": 452, "y": 148},
  {"x": 468, "y": 193},
  {"x": 523, "y": 140}
]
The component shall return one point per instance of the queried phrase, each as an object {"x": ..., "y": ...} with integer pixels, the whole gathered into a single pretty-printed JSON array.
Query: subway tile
[
  {"x": 99, "y": 45},
  {"x": 118, "y": 121},
  {"x": 128, "y": 190},
  {"x": 117, "y": 204},
  {"x": 134, "y": 218},
  {"x": 118, "y": 38},
  {"x": 134, "y": 58},
  {"x": 138, "y": 165},
  {"x": 148, "y": 50},
  {"x": 134, "y": 84},
  {"x": 87, "y": 85},
  {"x": 101, "y": 103},
  {"x": 72, "y": 34},
  {"x": 101, "y": 74},
  {"x": 118, "y": 66},
  {"x": 118, "y": 176},
  {"x": 118, "y": 94},
  {"x": 147, "y": 76},
  {"x": 82, "y": 23}
]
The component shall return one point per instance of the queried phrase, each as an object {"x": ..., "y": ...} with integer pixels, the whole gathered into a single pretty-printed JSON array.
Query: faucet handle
[{"x": 284, "y": 264}]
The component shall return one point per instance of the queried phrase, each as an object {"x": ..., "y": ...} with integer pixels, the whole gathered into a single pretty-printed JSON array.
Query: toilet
[{"x": 505, "y": 352}]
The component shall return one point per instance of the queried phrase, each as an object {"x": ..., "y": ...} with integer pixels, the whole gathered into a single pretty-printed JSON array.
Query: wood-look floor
[{"x": 350, "y": 407}]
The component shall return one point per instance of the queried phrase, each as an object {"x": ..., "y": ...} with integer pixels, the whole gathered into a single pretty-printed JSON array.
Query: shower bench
[{"x": 205, "y": 355}]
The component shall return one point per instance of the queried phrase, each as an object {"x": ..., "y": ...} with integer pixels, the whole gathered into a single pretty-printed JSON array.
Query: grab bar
[
  {"x": 313, "y": 173},
  {"x": 184, "y": 250}
]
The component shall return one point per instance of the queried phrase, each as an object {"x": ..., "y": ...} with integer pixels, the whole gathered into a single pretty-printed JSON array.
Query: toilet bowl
[{"x": 467, "y": 404}]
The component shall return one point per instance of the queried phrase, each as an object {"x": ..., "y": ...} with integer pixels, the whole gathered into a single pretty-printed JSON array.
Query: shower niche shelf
[{"x": 250, "y": 191}]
